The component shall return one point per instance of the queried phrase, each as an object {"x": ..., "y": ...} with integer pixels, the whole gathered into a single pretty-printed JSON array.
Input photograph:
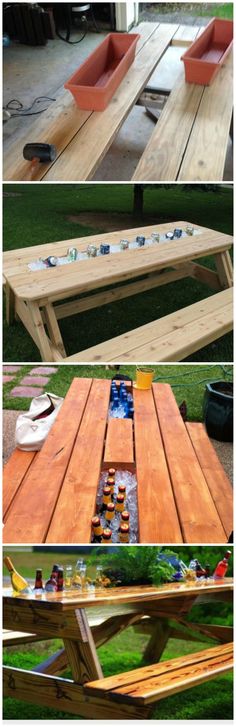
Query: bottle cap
[
  {"x": 110, "y": 506},
  {"x": 124, "y": 528},
  {"x": 125, "y": 516},
  {"x": 106, "y": 490},
  {"x": 122, "y": 489},
  {"x": 107, "y": 533},
  {"x": 120, "y": 497},
  {"x": 95, "y": 521},
  {"x": 111, "y": 472}
]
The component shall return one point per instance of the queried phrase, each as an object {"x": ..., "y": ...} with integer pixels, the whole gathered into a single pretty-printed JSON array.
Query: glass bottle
[
  {"x": 38, "y": 586},
  {"x": 96, "y": 529},
  {"x": 106, "y": 497},
  {"x": 221, "y": 568},
  {"x": 124, "y": 533},
  {"x": 107, "y": 536},
  {"x": 98, "y": 576},
  {"x": 19, "y": 584},
  {"x": 122, "y": 490},
  {"x": 76, "y": 580},
  {"x": 68, "y": 577},
  {"x": 111, "y": 472},
  {"x": 120, "y": 503},
  {"x": 110, "y": 512},
  {"x": 60, "y": 580},
  {"x": 83, "y": 571},
  {"x": 125, "y": 516}
]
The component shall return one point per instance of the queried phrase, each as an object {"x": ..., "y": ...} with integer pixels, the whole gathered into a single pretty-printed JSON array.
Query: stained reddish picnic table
[
  {"x": 160, "y": 612},
  {"x": 183, "y": 493}
]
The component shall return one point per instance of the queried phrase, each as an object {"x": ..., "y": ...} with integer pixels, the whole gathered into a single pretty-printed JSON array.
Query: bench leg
[
  {"x": 53, "y": 329},
  {"x": 41, "y": 338}
]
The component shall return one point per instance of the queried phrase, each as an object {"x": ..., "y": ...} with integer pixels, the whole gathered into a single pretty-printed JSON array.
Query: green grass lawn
[
  {"x": 41, "y": 213},
  {"x": 221, "y": 10},
  {"x": 188, "y": 382}
]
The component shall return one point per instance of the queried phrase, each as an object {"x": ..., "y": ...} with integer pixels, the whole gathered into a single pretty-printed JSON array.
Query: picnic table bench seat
[
  {"x": 168, "y": 457},
  {"x": 171, "y": 338},
  {"x": 151, "y": 683}
]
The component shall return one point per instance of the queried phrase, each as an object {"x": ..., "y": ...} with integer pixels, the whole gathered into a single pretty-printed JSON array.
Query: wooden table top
[
  {"x": 183, "y": 492},
  {"x": 86, "y": 135},
  {"x": 124, "y": 594},
  {"x": 94, "y": 273}
]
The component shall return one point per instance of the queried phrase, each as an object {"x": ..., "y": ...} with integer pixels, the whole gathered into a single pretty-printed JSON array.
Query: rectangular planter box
[
  {"x": 95, "y": 82},
  {"x": 207, "y": 54}
]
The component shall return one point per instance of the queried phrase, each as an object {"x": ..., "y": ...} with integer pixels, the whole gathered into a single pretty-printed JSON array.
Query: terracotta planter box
[
  {"x": 207, "y": 54},
  {"x": 97, "y": 79}
]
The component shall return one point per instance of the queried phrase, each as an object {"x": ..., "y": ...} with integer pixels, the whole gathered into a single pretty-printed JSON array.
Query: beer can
[
  {"x": 189, "y": 230},
  {"x": 170, "y": 235},
  {"x": 177, "y": 232},
  {"x": 92, "y": 250},
  {"x": 104, "y": 249},
  {"x": 155, "y": 236},
  {"x": 140, "y": 239},
  {"x": 51, "y": 261},
  {"x": 124, "y": 244},
  {"x": 72, "y": 253}
]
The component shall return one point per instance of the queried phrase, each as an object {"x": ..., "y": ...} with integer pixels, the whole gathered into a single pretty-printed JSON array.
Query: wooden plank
[
  {"x": 224, "y": 269},
  {"x": 14, "y": 638},
  {"x": 124, "y": 291},
  {"x": 158, "y": 519},
  {"x": 50, "y": 284},
  {"x": 215, "y": 476},
  {"x": 55, "y": 664},
  {"x": 53, "y": 329},
  {"x": 57, "y": 125},
  {"x": 198, "y": 514},
  {"x": 31, "y": 511},
  {"x": 95, "y": 137},
  {"x": 160, "y": 635},
  {"x": 167, "y": 338},
  {"x": 185, "y": 35},
  {"x": 81, "y": 652},
  {"x": 64, "y": 695},
  {"x": 13, "y": 474},
  {"x": 205, "y": 275},
  {"x": 154, "y": 682},
  {"x": 147, "y": 598},
  {"x": 164, "y": 152},
  {"x": 119, "y": 449},
  {"x": 204, "y": 159},
  {"x": 37, "y": 321},
  {"x": 10, "y": 304},
  {"x": 71, "y": 520}
]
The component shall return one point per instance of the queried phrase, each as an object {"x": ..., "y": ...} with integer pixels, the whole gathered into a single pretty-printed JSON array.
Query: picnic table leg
[
  {"x": 157, "y": 642},
  {"x": 53, "y": 329},
  {"x": 224, "y": 269},
  {"x": 81, "y": 652},
  {"x": 10, "y": 304},
  {"x": 42, "y": 339}
]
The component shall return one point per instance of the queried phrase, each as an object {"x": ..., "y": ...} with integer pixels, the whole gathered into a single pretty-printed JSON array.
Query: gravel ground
[{"x": 223, "y": 449}]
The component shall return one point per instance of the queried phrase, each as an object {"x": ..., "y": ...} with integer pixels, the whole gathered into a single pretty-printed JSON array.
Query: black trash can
[{"x": 218, "y": 410}]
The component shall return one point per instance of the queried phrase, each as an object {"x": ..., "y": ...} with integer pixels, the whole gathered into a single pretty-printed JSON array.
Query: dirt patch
[{"x": 110, "y": 222}]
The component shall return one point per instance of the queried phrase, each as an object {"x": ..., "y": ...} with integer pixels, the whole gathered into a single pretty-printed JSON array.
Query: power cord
[
  {"x": 16, "y": 106},
  {"x": 224, "y": 370}
]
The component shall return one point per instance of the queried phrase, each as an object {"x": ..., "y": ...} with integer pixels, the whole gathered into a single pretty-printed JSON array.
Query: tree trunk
[{"x": 138, "y": 200}]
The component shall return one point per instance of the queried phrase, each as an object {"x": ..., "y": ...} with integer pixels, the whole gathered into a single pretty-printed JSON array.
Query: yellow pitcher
[{"x": 144, "y": 377}]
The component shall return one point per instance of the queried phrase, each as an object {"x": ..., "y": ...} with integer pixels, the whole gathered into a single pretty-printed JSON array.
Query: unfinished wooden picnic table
[
  {"x": 33, "y": 296},
  {"x": 183, "y": 493},
  {"x": 190, "y": 140},
  {"x": 160, "y": 611}
]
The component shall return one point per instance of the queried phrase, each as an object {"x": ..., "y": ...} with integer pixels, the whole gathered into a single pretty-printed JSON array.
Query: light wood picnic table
[
  {"x": 183, "y": 493},
  {"x": 189, "y": 142},
  {"x": 32, "y": 295},
  {"x": 160, "y": 611}
]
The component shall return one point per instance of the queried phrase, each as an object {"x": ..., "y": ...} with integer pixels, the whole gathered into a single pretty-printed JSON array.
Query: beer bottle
[
  {"x": 124, "y": 533},
  {"x": 221, "y": 568},
  {"x": 122, "y": 490},
  {"x": 207, "y": 570},
  {"x": 125, "y": 516},
  {"x": 106, "y": 536},
  {"x": 111, "y": 484},
  {"x": 106, "y": 497},
  {"x": 110, "y": 511},
  {"x": 19, "y": 584},
  {"x": 60, "y": 580},
  {"x": 111, "y": 472},
  {"x": 120, "y": 500},
  {"x": 51, "y": 584},
  {"x": 96, "y": 529},
  {"x": 38, "y": 586}
]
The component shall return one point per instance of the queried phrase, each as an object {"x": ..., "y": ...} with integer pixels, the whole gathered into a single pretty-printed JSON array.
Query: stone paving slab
[
  {"x": 26, "y": 392},
  {"x": 43, "y": 370},
  {"x": 7, "y": 378},
  {"x": 11, "y": 369},
  {"x": 35, "y": 380}
]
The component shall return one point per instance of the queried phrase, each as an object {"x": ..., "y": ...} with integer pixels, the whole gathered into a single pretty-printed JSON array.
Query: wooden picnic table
[
  {"x": 162, "y": 612},
  {"x": 34, "y": 296},
  {"x": 189, "y": 142},
  {"x": 183, "y": 493}
]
